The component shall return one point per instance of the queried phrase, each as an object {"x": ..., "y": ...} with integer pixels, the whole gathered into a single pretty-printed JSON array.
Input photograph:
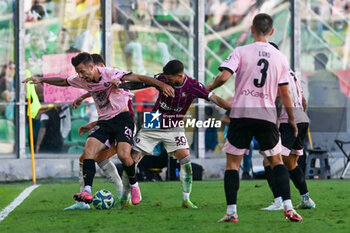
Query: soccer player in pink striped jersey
[
  {"x": 115, "y": 122},
  {"x": 292, "y": 147},
  {"x": 261, "y": 72}
]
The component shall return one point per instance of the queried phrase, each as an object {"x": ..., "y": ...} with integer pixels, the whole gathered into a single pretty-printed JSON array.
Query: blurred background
[{"x": 38, "y": 38}]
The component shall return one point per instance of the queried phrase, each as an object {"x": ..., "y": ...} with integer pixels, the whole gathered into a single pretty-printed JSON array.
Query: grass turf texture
[
  {"x": 160, "y": 209},
  {"x": 8, "y": 192}
]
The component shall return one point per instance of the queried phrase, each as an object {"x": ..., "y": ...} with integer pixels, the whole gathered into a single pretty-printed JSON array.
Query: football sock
[
  {"x": 280, "y": 173},
  {"x": 231, "y": 209},
  {"x": 126, "y": 185},
  {"x": 271, "y": 181},
  {"x": 278, "y": 199},
  {"x": 88, "y": 188},
  {"x": 288, "y": 204},
  {"x": 298, "y": 178},
  {"x": 89, "y": 171},
  {"x": 185, "y": 196},
  {"x": 131, "y": 172},
  {"x": 81, "y": 179},
  {"x": 186, "y": 177},
  {"x": 231, "y": 183},
  {"x": 111, "y": 172},
  {"x": 305, "y": 197}
]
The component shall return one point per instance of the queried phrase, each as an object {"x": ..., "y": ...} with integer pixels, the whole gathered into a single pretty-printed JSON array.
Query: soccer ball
[{"x": 103, "y": 199}]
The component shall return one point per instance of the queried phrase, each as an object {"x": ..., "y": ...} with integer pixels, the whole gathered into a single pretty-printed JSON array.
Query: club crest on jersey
[{"x": 151, "y": 120}]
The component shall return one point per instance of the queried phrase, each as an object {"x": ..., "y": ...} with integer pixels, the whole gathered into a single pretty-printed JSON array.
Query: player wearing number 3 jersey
[
  {"x": 168, "y": 112},
  {"x": 261, "y": 72}
]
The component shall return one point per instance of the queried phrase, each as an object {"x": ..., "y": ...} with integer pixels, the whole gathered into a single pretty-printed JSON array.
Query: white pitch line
[{"x": 24, "y": 194}]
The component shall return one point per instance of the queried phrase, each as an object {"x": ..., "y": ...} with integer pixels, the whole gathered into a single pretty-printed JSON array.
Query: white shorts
[{"x": 173, "y": 139}]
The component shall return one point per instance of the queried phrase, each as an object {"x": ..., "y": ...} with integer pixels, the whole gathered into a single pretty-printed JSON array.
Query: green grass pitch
[{"x": 160, "y": 209}]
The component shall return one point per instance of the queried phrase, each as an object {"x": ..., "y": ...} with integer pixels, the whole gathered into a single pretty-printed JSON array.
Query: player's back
[
  {"x": 296, "y": 94},
  {"x": 260, "y": 69}
]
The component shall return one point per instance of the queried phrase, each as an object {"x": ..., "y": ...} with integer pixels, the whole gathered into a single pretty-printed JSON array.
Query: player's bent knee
[
  {"x": 185, "y": 160},
  {"x": 289, "y": 162},
  {"x": 87, "y": 155},
  {"x": 275, "y": 160}
]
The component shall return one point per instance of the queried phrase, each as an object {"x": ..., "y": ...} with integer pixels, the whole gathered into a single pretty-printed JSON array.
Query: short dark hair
[
  {"x": 262, "y": 24},
  {"x": 173, "y": 67},
  {"x": 97, "y": 58},
  {"x": 84, "y": 58}
]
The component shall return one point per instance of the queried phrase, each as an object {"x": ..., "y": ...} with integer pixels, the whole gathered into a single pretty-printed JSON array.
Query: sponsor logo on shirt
[
  {"x": 254, "y": 93},
  {"x": 100, "y": 98},
  {"x": 167, "y": 108}
]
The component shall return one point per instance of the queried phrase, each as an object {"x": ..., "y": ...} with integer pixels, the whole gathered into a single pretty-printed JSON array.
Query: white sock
[
  {"x": 231, "y": 209},
  {"x": 134, "y": 185},
  {"x": 185, "y": 196},
  {"x": 278, "y": 200},
  {"x": 126, "y": 185},
  {"x": 305, "y": 197},
  {"x": 111, "y": 172},
  {"x": 288, "y": 204},
  {"x": 81, "y": 178},
  {"x": 88, "y": 188}
]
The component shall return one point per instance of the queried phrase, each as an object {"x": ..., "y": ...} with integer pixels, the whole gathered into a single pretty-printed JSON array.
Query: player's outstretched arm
[
  {"x": 220, "y": 102},
  {"x": 77, "y": 102},
  {"x": 225, "y": 119},
  {"x": 219, "y": 80},
  {"x": 304, "y": 103},
  {"x": 167, "y": 90},
  {"x": 133, "y": 85},
  {"x": 287, "y": 102},
  {"x": 52, "y": 81}
]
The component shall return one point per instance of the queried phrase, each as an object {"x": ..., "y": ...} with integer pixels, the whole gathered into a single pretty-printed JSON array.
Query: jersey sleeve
[
  {"x": 44, "y": 119},
  {"x": 285, "y": 75},
  {"x": 199, "y": 91},
  {"x": 75, "y": 81},
  {"x": 119, "y": 74},
  {"x": 232, "y": 62},
  {"x": 161, "y": 78}
]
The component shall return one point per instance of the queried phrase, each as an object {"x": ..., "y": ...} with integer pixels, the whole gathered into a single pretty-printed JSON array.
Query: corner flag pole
[
  {"x": 31, "y": 139},
  {"x": 30, "y": 94},
  {"x": 310, "y": 139}
]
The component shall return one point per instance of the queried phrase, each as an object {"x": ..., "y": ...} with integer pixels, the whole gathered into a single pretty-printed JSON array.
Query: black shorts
[
  {"x": 287, "y": 135},
  {"x": 117, "y": 129},
  {"x": 242, "y": 130}
]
